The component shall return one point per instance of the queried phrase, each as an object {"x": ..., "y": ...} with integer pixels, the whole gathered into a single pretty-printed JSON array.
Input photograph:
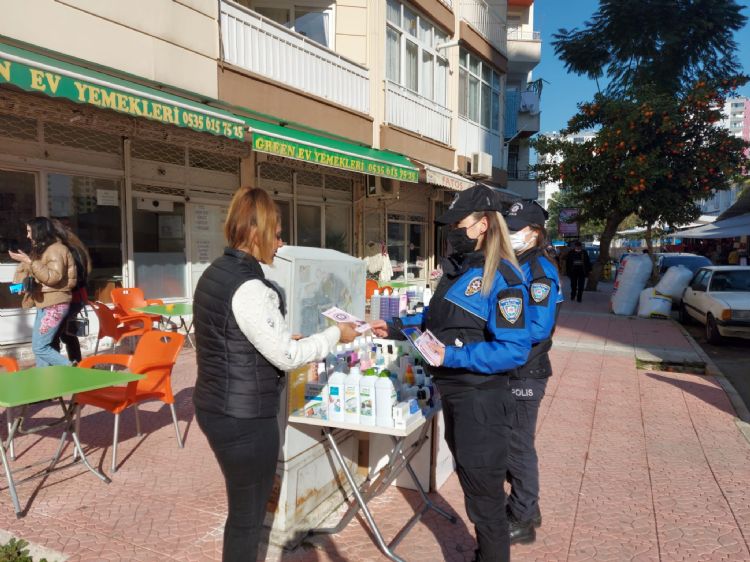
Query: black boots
[{"x": 524, "y": 532}]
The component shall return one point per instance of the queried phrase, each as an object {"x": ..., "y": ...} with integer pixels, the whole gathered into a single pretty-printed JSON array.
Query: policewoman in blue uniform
[
  {"x": 479, "y": 312},
  {"x": 526, "y": 220}
]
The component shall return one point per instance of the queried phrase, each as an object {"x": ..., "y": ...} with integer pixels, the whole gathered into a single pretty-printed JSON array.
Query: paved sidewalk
[{"x": 635, "y": 465}]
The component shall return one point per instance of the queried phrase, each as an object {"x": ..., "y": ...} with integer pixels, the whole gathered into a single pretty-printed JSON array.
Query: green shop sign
[
  {"x": 330, "y": 157},
  {"x": 84, "y": 86}
]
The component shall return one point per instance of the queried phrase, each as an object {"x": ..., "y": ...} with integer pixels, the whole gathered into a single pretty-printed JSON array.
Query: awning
[
  {"x": 38, "y": 73},
  {"x": 727, "y": 228},
  {"x": 506, "y": 195},
  {"x": 443, "y": 178},
  {"x": 316, "y": 149}
]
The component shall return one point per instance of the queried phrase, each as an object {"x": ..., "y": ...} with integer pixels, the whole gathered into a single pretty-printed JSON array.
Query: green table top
[
  {"x": 176, "y": 309},
  {"x": 43, "y": 383}
]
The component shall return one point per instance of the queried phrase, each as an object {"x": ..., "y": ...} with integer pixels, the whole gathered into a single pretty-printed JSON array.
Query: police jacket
[
  {"x": 485, "y": 336},
  {"x": 234, "y": 379},
  {"x": 545, "y": 295}
]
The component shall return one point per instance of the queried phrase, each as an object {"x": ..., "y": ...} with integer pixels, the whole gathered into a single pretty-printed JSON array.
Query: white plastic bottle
[
  {"x": 426, "y": 296},
  {"x": 351, "y": 395},
  {"x": 375, "y": 305},
  {"x": 385, "y": 399},
  {"x": 336, "y": 383},
  {"x": 367, "y": 406}
]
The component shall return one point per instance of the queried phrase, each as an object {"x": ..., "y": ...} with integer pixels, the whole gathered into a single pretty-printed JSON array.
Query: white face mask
[{"x": 518, "y": 241}]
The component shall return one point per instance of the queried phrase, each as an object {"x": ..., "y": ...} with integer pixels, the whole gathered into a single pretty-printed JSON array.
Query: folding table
[
  {"x": 23, "y": 388},
  {"x": 179, "y": 309},
  {"x": 398, "y": 460}
]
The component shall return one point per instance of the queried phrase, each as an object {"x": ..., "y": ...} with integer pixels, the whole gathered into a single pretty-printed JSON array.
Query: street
[{"x": 731, "y": 358}]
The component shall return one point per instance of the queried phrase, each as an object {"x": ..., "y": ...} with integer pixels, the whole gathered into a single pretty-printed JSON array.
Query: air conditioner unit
[
  {"x": 383, "y": 188},
  {"x": 480, "y": 165}
]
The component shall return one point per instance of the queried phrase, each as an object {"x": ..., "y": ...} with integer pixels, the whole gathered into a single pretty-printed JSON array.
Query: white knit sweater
[{"x": 256, "y": 309}]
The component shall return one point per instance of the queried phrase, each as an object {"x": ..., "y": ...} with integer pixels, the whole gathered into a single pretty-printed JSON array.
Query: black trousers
[
  {"x": 72, "y": 345},
  {"x": 523, "y": 462},
  {"x": 577, "y": 283},
  {"x": 247, "y": 450},
  {"x": 477, "y": 430}
]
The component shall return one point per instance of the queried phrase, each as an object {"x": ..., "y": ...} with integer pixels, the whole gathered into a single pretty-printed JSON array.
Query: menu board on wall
[{"x": 208, "y": 232}]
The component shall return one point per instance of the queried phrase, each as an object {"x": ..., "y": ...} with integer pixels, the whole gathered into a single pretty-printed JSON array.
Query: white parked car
[{"x": 719, "y": 297}]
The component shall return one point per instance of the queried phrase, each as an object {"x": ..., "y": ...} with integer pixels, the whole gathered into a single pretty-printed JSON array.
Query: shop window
[
  {"x": 17, "y": 205},
  {"x": 159, "y": 246},
  {"x": 411, "y": 57},
  {"x": 285, "y": 210},
  {"x": 91, "y": 208},
  {"x": 406, "y": 247},
  {"x": 479, "y": 89},
  {"x": 338, "y": 228},
  {"x": 309, "y": 225}
]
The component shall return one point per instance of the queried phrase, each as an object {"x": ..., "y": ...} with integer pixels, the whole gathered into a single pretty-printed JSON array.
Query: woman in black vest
[{"x": 243, "y": 348}]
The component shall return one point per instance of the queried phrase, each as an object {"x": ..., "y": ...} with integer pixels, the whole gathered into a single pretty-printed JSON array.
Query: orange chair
[
  {"x": 154, "y": 357},
  {"x": 11, "y": 366},
  {"x": 118, "y": 327},
  {"x": 384, "y": 287},
  {"x": 370, "y": 286},
  {"x": 126, "y": 299}
]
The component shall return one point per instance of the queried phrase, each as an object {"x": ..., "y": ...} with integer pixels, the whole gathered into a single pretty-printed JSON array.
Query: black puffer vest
[{"x": 233, "y": 378}]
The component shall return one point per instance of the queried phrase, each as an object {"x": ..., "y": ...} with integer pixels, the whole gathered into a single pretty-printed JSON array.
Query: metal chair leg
[
  {"x": 176, "y": 427},
  {"x": 114, "y": 443},
  {"x": 137, "y": 420},
  {"x": 96, "y": 348}
]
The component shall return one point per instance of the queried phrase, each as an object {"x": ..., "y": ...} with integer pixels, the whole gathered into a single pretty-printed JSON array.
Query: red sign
[{"x": 566, "y": 224}]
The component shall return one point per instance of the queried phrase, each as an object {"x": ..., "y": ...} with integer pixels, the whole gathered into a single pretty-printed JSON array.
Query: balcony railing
[
  {"x": 264, "y": 47},
  {"x": 516, "y": 174},
  {"x": 410, "y": 111},
  {"x": 475, "y": 138},
  {"x": 520, "y": 35},
  {"x": 487, "y": 23},
  {"x": 448, "y": 3}
]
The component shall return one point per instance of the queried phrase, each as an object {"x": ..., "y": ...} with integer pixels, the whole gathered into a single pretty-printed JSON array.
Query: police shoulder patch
[
  {"x": 510, "y": 309},
  {"x": 474, "y": 286},
  {"x": 540, "y": 290}
]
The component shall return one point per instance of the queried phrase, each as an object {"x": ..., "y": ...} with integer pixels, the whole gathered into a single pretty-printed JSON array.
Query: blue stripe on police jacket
[
  {"x": 544, "y": 294},
  {"x": 501, "y": 315}
]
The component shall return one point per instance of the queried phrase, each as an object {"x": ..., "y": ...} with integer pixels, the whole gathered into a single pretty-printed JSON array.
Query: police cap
[
  {"x": 477, "y": 198},
  {"x": 524, "y": 213}
]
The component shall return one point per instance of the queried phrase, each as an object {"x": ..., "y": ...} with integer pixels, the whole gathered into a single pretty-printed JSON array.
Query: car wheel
[
  {"x": 712, "y": 332},
  {"x": 683, "y": 314}
]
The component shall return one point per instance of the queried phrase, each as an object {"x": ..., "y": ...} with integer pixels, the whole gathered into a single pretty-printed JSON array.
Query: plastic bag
[
  {"x": 653, "y": 305},
  {"x": 631, "y": 280},
  {"x": 674, "y": 282}
]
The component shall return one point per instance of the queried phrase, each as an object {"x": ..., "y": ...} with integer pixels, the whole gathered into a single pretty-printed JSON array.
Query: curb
[{"x": 743, "y": 414}]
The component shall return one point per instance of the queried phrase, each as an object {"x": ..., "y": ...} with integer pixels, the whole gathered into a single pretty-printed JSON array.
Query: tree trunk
[{"x": 610, "y": 229}]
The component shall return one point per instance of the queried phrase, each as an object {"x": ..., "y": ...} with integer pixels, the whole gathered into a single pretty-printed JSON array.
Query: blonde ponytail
[{"x": 496, "y": 247}]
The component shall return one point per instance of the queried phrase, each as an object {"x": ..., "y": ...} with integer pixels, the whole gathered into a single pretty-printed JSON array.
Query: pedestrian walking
[
  {"x": 479, "y": 312},
  {"x": 526, "y": 222},
  {"x": 49, "y": 276},
  {"x": 578, "y": 266},
  {"x": 243, "y": 348},
  {"x": 79, "y": 296}
]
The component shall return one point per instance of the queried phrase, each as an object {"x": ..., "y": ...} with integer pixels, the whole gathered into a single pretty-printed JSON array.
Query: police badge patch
[
  {"x": 539, "y": 291},
  {"x": 511, "y": 308},
  {"x": 474, "y": 286}
]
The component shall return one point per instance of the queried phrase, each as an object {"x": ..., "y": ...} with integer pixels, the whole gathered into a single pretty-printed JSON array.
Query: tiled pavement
[{"x": 635, "y": 465}]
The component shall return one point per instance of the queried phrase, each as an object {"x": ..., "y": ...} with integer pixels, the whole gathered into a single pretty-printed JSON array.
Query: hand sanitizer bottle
[{"x": 351, "y": 395}]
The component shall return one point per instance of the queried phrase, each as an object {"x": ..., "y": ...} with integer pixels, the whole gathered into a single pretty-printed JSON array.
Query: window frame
[
  {"x": 465, "y": 75},
  {"x": 291, "y": 5},
  {"x": 440, "y": 63},
  {"x": 407, "y": 220}
]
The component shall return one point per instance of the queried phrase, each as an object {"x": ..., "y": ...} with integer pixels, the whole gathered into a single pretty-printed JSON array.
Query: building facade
[
  {"x": 362, "y": 118},
  {"x": 547, "y": 190}
]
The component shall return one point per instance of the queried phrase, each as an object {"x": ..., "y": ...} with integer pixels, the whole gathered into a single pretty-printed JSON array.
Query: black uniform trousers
[
  {"x": 523, "y": 462},
  {"x": 577, "y": 282},
  {"x": 477, "y": 430}
]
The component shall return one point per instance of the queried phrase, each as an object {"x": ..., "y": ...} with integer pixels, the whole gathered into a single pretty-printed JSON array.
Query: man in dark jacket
[{"x": 578, "y": 266}]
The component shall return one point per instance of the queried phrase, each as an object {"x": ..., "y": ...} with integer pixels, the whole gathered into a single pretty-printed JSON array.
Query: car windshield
[
  {"x": 726, "y": 281},
  {"x": 693, "y": 263}
]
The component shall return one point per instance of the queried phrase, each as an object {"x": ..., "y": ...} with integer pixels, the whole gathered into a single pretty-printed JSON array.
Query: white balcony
[
  {"x": 264, "y": 47},
  {"x": 490, "y": 25},
  {"x": 408, "y": 110},
  {"x": 524, "y": 50},
  {"x": 475, "y": 138}
]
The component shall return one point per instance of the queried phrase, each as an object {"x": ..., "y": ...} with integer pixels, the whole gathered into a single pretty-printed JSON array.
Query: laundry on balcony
[{"x": 529, "y": 102}]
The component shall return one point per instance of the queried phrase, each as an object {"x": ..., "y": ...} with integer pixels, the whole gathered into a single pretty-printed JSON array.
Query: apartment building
[
  {"x": 547, "y": 190},
  {"x": 136, "y": 121}
]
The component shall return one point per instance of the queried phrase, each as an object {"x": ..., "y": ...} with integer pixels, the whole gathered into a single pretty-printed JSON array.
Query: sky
[{"x": 564, "y": 91}]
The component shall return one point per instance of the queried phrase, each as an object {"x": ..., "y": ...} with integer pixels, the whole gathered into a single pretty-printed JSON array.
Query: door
[
  {"x": 696, "y": 292},
  {"x": 159, "y": 246}
]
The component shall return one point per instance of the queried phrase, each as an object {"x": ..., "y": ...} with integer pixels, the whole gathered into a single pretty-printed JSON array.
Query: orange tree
[{"x": 653, "y": 156}]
